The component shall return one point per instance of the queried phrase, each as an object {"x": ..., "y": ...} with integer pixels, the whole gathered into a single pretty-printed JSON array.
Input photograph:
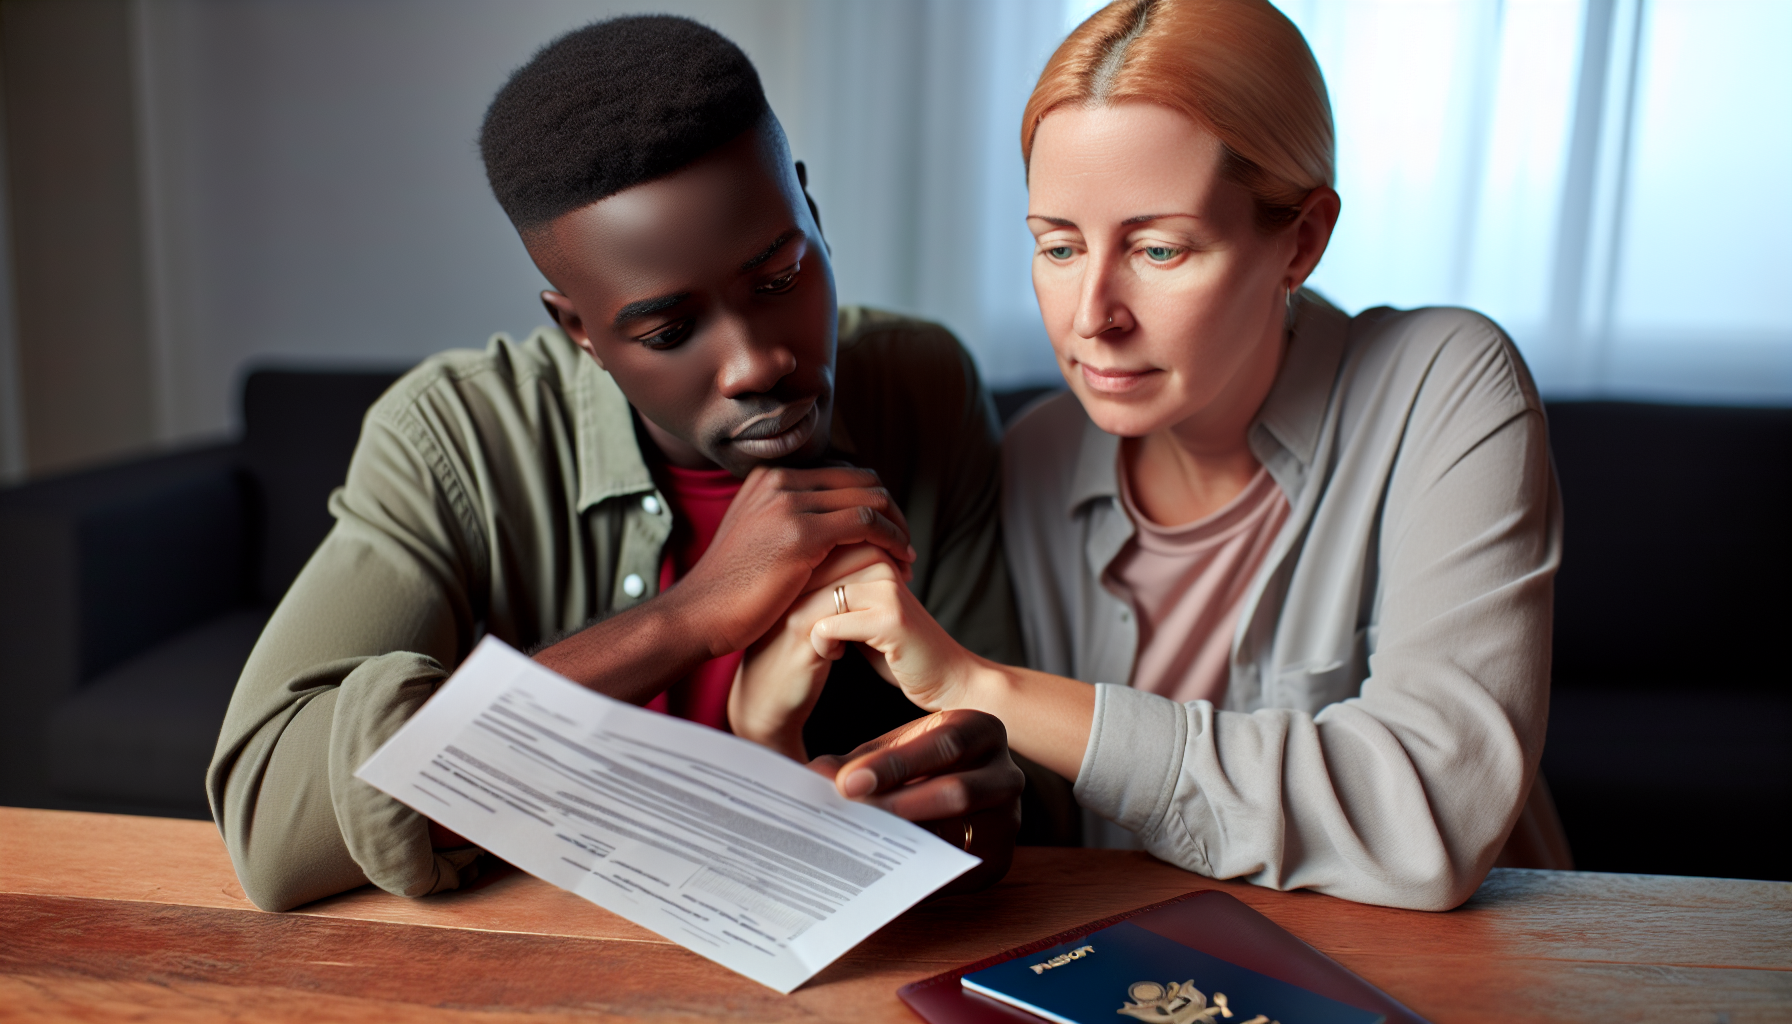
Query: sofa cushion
[
  {"x": 99, "y": 566},
  {"x": 1670, "y": 732},
  {"x": 299, "y": 430},
  {"x": 1691, "y": 783},
  {"x": 144, "y": 731},
  {"x": 1676, "y": 550},
  {"x": 1676, "y": 747}
]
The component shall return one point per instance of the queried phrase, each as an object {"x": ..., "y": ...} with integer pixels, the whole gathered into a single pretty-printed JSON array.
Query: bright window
[{"x": 1597, "y": 175}]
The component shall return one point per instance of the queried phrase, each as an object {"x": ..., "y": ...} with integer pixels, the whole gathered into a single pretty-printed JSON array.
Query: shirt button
[
  {"x": 650, "y": 505},
  {"x": 633, "y": 585}
]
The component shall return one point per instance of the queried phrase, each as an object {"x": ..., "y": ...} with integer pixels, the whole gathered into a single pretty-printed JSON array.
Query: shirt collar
[
  {"x": 1097, "y": 467},
  {"x": 609, "y": 457},
  {"x": 1293, "y": 413}
]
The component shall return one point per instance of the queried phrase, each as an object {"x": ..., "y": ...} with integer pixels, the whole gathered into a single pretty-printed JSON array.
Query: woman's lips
[
  {"x": 1115, "y": 381},
  {"x": 780, "y": 434}
]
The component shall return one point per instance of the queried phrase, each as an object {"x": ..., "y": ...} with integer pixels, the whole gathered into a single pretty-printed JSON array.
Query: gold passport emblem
[{"x": 1178, "y": 1003}]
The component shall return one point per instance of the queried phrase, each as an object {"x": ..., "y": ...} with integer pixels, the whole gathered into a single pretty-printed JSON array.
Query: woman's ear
[
  {"x": 566, "y": 315},
  {"x": 1312, "y": 233}
]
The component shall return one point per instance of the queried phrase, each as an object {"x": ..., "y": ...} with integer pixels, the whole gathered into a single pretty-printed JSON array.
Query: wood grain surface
[{"x": 106, "y": 918}]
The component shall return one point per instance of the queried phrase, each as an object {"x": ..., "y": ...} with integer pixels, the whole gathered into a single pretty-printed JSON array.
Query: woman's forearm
[{"x": 1048, "y": 717}]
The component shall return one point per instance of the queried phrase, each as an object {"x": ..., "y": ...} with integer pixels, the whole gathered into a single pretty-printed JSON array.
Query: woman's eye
[
  {"x": 669, "y": 336},
  {"x": 782, "y": 283},
  {"x": 1160, "y": 253},
  {"x": 1059, "y": 252}
]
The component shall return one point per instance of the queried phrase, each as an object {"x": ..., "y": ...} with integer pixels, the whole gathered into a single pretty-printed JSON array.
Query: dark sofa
[
  {"x": 1670, "y": 735},
  {"x": 130, "y": 596}
]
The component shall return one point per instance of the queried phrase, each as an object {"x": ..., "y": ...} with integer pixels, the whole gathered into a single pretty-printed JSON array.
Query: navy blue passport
[
  {"x": 1208, "y": 921},
  {"x": 1124, "y": 973}
]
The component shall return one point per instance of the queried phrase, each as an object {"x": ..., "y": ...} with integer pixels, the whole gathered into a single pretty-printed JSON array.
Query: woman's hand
[
  {"x": 781, "y": 675},
  {"x": 1047, "y": 717},
  {"x": 917, "y": 653}
]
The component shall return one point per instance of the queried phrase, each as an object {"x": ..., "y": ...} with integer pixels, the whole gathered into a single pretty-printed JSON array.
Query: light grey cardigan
[{"x": 1390, "y": 673}]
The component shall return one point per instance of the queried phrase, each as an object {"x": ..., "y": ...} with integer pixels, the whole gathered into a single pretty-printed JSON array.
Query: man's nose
[{"x": 753, "y": 364}]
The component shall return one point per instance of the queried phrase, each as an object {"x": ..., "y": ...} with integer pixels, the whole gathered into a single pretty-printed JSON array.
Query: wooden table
[{"x": 108, "y": 918}]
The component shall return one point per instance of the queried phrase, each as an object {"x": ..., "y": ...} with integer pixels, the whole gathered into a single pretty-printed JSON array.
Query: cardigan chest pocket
[{"x": 1312, "y": 686}]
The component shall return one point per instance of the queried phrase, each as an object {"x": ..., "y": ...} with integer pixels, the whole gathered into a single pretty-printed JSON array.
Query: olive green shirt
[{"x": 504, "y": 492}]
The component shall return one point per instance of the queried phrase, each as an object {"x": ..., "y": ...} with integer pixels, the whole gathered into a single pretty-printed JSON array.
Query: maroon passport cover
[{"x": 1211, "y": 921}]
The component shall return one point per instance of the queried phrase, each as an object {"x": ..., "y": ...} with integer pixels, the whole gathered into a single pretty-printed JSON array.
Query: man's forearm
[{"x": 634, "y": 655}]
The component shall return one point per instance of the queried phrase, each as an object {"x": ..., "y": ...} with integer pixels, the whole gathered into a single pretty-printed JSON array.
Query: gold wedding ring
[
  {"x": 967, "y": 837},
  {"x": 840, "y": 599}
]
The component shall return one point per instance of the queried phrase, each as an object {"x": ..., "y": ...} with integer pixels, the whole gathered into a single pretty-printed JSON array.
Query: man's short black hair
[{"x": 612, "y": 105}]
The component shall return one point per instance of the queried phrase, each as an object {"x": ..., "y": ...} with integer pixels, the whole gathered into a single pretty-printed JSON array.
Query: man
[{"x": 560, "y": 487}]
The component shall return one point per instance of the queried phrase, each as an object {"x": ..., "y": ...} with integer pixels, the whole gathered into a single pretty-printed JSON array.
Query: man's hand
[
  {"x": 949, "y": 772},
  {"x": 782, "y": 525}
]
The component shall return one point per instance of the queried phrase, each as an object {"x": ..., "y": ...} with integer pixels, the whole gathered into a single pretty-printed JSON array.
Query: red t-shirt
[{"x": 700, "y": 498}]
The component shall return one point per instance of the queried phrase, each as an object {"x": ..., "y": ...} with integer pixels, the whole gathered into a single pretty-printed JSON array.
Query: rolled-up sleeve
[
  {"x": 1403, "y": 794},
  {"x": 362, "y": 639}
]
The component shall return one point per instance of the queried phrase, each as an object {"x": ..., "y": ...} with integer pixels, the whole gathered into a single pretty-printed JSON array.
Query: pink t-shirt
[{"x": 1186, "y": 583}]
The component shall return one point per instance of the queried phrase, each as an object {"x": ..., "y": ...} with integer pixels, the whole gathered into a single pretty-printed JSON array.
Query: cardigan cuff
[{"x": 1134, "y": 757}]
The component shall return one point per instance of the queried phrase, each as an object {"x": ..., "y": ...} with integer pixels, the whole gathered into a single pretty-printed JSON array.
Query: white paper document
[{"x": 718, "y": 844}]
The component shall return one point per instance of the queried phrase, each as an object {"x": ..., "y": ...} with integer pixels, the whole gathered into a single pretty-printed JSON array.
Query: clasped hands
[
  {"x": 796, "y": 535},
  {"x": 782, "y": 675}
]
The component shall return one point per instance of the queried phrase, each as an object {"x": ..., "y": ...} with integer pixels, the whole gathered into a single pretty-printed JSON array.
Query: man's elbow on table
[
  {"x": 291, "y": 869},
  {"x": 298, "y": 836},
  {"x": 280, "y": 868},
  {"x": 275, "y": 886}
]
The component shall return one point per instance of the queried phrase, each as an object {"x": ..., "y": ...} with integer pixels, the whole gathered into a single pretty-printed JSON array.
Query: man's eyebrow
[
  {"x": 771, "y": 250},
  {"x": 1058, "y": 222},
  {"x": 648, "y": 307}
]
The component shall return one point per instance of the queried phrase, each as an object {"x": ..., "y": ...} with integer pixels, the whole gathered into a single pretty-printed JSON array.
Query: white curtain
[
  {"x": 909, "y": 120},
  {"x": 1598, "y": 175}
]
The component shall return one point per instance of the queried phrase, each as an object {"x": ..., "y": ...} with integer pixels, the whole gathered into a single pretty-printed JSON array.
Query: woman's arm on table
[{"x": 1399, "y": 796}]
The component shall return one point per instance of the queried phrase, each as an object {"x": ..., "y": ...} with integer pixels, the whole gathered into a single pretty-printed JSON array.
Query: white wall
[{"x": 316, "y": 194}]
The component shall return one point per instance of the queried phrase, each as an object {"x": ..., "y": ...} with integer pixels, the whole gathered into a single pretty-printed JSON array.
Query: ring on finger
[
  {"x": 967, "y": 837},
  {"x": 840, "y": 600}
]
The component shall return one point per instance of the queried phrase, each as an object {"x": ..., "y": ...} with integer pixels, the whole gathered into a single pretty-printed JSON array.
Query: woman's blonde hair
[{"x": 1237, "y": 68}]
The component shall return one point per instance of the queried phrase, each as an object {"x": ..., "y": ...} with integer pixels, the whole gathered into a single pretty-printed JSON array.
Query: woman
[{"x": 1285, "y": 575}]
